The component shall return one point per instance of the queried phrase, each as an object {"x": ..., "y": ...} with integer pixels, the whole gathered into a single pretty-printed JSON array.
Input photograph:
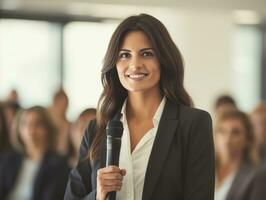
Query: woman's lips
[{"x": 137, "y": 76}]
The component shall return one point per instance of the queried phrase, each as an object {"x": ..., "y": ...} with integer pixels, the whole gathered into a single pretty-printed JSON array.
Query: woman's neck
[
  {"x": 142, "y": 106},
  {"x": 230, "y": 160},
  {"x": 35, "y": 153},
  {"x": 226, "y": 166}
]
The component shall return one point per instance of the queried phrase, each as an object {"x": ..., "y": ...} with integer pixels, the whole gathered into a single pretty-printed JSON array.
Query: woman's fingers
[
  {"x": 109, "y": 179},
  {"x": 111, "y": 176},
  {"x": 109, "y": 169}
]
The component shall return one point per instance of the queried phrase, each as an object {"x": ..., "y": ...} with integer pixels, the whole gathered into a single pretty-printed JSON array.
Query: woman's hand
[{"x": 109, "y": 179}]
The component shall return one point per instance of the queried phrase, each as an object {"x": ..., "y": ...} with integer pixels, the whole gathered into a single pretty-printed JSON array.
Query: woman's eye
[
  {"x": 147, "y": 54},
  {"x": 124, "y": 55},
  {"x": 236, "y": 131}
]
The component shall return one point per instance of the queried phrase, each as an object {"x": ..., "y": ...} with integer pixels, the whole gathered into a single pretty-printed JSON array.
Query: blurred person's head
[
  {"x": 80, "y": 125},
  {"x": 234, "y": 137},
  {"x": 10, "y": 110},
  {"x": 60, "y": 102},
  {"x": 13, "y": 96},
  {"x": 258, "y": 118},
  {"x": 35, "y": 130},
  {"x": 4, "y": 134},
  {"x": 223, "y": 104}
]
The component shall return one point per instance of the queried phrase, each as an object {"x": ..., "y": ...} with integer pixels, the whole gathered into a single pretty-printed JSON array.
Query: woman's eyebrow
[
  {"x": 145, "y": 49},
  {"x": 124, "y": 50}
]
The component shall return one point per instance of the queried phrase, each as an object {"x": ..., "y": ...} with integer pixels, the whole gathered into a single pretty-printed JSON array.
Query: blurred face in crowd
[
  {"x": 61, "y": 103},
  {"x": 230, "y": 138},
  {"x": 137, "y": 65},
  {"x": 79, "y": 128},
  {"x": 32, "y": 130},
  {"x": 259, "y": 124},
  {"x": 1, "y": 127},
  {"x": 224, "y": 108}
]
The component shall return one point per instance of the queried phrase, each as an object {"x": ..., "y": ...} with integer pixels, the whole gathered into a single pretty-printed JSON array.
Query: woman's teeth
[{"x": 137, "y": 76}]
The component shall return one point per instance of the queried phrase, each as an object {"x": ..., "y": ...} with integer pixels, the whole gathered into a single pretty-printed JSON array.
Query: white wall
[{"x": 205, "y": 38}]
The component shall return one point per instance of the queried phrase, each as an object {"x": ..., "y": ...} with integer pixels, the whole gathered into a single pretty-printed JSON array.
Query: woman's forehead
[{"x": 135, "y": 40}]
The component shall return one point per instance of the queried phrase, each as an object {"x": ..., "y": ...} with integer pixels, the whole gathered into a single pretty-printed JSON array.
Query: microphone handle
[
  {"x": 112, "y": 158},
  {"x": 111, "y": 196}
]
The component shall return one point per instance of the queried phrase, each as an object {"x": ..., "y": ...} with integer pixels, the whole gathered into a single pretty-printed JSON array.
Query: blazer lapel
[
  {"x": 165, "y": 133},
  {"x": 240, "y": 183}
]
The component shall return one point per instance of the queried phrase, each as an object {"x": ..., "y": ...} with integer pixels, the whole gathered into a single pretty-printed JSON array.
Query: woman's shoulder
[
  {"x": 193, "y": 114},
  {"x": 54, "y": 158},
  {"x": 90, "y": 131},
  {"x": 11, "y": 155},
  {"x": 10, "y": 162}
]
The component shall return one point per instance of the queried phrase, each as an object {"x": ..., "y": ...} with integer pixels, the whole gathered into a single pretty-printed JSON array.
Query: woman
[
  {"x": 77, "y": 132},
  {"x": 37, "y": 172},
  {"x": 167, "y": 147},
  {"x": 58, "y": 112},
  {"x": 258, "y": 119},
  {"x": 4, "y": 135},
  {"x": 236, "y": 156}
]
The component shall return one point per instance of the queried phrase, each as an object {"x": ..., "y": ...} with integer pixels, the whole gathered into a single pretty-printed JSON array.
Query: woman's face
[
  {"x": 137, "y": 65},
  {"x": 259, "y": 124},
  {"x": 79, "y": 127},
  {"x": 230, "y": 138},
  {"x": 32, "y": 130}
]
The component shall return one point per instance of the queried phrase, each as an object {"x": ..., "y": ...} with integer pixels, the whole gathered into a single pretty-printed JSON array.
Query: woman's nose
[{"x": 135, "y": 62}]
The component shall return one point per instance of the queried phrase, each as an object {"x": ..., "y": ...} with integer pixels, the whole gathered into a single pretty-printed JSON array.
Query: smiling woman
[
  {"x": 137, "y": 66},
  {"x": 167, "y": 146}
]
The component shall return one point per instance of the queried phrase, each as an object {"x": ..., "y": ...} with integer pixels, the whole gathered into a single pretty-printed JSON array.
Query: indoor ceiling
[{"x": 88, "y": 7}]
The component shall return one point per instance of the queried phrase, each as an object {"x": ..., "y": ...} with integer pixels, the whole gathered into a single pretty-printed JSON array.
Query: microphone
[{"x": 114, "y": 131}]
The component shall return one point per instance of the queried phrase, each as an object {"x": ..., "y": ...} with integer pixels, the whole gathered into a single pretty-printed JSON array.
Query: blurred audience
[
  {"x": 258, "y": 118},
  {"x": 77, "y": 132},
  {"x": 236, "y": 155},
  {"x": 58, "y": 112},
  {"x": 10, "y": 110},
  {"x": 13, "y": 96},
  {"x": 224, "y": 103},
  {"x": 34, "y": 171},
  {"x": 4, "y": 136},
  {"x": 256, "y": 185}
]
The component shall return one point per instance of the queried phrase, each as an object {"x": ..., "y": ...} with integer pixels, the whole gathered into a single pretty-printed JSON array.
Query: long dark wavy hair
[{"x": 113, "y": 95}]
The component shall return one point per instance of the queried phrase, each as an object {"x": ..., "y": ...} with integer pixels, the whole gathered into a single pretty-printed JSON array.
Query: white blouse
[
  {"x": 222, "y": 191},
  {"x": 136, "y": 162},
  {"x": 23, "y": 188}
]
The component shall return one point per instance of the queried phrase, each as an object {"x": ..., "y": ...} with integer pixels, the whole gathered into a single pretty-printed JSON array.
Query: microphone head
[{"x": 114, "y": 128}]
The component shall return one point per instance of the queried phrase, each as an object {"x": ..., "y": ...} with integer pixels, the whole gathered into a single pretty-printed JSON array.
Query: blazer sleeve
[
  {"x": 200, "y": 160},
  {"x": 79, "y": 186},
  {"x": 257, "y": 187}
]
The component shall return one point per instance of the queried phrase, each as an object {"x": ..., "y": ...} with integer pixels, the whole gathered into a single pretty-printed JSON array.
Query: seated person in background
[
  {"x": 13, "y": 96},
  {"x": 258, "y": 119},
  {"x": 4, "y": 136},
  {"x": 224, "y": 103},
  {"x": 10, "y": 110},
  {"x": 78, "y": 130},
  {"x": 58, "y": 112},
  {"x": 257, "y": 185},
  {"x": 236, "y": 155},
  {"x": 36, "y": 173}
]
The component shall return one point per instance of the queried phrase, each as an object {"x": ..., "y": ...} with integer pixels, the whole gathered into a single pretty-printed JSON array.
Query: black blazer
[
  {"x": 49, "y": 183},
  {"x": 256, "y": 185},
  {"x": 180, "y": 167},
  {"x": 241, "y": 182}
]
